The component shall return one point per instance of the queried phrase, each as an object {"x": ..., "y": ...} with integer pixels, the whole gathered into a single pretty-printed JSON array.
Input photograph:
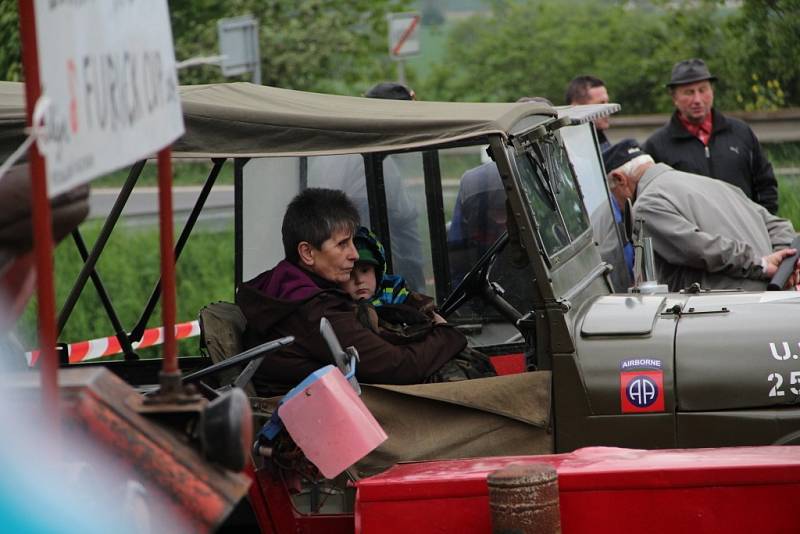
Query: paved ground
[{"x": 142, "y": 207}]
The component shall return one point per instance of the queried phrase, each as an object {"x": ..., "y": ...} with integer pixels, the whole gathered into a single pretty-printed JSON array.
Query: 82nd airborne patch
[{"x": 641, "y": 384}]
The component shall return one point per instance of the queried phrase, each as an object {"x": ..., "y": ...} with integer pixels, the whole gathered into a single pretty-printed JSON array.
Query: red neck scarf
[{"x": 702, "y": 130}]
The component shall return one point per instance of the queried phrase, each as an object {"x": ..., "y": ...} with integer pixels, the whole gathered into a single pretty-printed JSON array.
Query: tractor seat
[{"x": 222, "y": 325}]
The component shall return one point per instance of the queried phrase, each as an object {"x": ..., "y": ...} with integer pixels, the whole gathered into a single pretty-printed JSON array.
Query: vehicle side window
[
  {"x": 405, "y": 191},
  {"x": 569, "y": 198},
  {"x": 543, "y": 203},
  {"x": 552, "y": 192},
  {"x": 408, "y": 220}
]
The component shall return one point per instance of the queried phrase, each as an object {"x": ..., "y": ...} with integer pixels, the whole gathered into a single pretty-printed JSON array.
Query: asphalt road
[{"x": 142, "y": 206}]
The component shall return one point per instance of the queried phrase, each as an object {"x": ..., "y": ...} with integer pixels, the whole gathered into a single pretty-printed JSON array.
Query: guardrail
[{"x": 769, "y": 126}]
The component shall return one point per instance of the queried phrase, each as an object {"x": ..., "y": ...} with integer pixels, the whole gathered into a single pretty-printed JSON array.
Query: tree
[
  {"x": 10, "y": 49},
  {"x": 535, "y": 48},
  {"x": 764, "y": 38},
  {"x": 318, "y": 45},
  {"x": 315, "y": 45}
]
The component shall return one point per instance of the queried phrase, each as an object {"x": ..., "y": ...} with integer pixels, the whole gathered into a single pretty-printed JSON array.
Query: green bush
[
  {"x": 786, "y": 156},
  {"x": 535, "y": 48},
  {"x": 789, "y": 196}
]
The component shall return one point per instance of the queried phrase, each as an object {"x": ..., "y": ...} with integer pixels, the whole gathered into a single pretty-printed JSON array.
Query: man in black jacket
[{"x": 701, "y": 140}]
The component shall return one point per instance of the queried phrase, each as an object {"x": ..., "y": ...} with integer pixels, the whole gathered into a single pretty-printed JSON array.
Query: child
[
  {"x": 388, "y": 308},
  {"x": 372, "y": 259}
]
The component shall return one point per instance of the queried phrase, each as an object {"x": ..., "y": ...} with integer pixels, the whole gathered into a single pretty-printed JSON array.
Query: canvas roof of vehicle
[{"x": 246, "y": 120}]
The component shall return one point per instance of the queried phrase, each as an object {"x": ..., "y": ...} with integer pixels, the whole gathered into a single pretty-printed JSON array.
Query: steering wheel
[
  {"x": 476, "y": 281},
  {"x": 251, "y": 357}
]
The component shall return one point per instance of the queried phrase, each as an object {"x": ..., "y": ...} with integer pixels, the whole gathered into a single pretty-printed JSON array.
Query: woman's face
[{"x": 334, "y": 260}]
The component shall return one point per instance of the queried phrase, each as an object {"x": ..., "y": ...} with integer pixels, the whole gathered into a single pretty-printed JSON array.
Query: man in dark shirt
[{"x": 701, "y": 140}]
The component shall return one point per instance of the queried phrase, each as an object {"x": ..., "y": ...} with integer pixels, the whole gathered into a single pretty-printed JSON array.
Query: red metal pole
[
  {"x": 42, "y": 223},
  {"x": 167, "y": 260}
]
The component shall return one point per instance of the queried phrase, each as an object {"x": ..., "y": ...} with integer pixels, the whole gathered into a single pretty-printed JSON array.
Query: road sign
[
  {"x": 109, "y": 88},
  {"x": 238, "y": 45},
  {"x": 404, "y": 35}
]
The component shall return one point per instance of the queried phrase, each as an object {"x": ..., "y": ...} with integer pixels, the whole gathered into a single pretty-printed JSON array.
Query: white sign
[
  {"x": 109, "y": 86},
  {"x": 404, "y": 35}
]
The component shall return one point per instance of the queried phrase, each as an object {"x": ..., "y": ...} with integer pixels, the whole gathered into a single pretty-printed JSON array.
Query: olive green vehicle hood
[
  {"x": 745, "y": 357},
  {"x": 720, "y": 351}
]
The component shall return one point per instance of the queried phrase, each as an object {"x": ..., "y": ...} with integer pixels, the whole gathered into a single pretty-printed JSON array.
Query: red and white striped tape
[{"x": 108, "y": 346}]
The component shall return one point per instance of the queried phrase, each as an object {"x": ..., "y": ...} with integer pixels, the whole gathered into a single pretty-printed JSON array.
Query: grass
[
  {"x": 129, "y": 268},
  {"x": 183, "y": 173},
  {"x": 783, "y": 154},
  {"x": 787, "y": 156}
]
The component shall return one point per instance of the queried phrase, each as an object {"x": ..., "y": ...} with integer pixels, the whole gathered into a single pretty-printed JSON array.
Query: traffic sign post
[
  {"x": 403, "y": 39},
  {"x": 238, "y": 46}
]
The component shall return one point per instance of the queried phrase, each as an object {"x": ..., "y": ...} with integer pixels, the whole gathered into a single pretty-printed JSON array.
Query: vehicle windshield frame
[{"x": 555, "y": 184}]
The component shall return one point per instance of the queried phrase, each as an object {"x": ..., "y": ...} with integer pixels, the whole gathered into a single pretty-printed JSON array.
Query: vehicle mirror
[{"x": 627, "y": 218}]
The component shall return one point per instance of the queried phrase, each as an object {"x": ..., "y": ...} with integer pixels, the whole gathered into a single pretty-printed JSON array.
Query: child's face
[{"x": 362, "y": 283}]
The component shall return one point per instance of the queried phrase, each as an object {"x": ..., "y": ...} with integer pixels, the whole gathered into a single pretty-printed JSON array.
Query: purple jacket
[{"x": 289, "y": 301}]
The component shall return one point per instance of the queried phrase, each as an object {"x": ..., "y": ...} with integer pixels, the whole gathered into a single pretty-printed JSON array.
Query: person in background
[
  {"x": 479, "y": 213},
  {"x": 607, "y": 227},
  {"x": 589, "y": 89},
  {"x": 701, "y": 140},
  {"x": 704, "y": 230},
  {"x": 391, "y": 91}
]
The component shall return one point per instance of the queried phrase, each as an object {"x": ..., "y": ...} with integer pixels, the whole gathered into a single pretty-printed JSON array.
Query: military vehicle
[
  {"x": 580, "y": 365},
  {"x": 715, "y": 367}
]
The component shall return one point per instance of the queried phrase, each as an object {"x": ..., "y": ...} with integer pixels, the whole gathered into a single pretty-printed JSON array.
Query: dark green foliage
[
  {"x": 10, "y": 49},
  {"x": 523, "y": 48},
  {"x": 763, "y": 38},
  {"x": 311, "y": 45},
  {"x": 535, "y": 48}
]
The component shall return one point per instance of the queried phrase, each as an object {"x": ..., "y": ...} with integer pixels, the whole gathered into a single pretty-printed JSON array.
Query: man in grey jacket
[{"x": 703, "y": 230}]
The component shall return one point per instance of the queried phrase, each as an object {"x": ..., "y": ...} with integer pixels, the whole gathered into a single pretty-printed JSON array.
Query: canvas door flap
[
  {"x": 524, "y": 397},
  {"x": 423, "y": 428}
]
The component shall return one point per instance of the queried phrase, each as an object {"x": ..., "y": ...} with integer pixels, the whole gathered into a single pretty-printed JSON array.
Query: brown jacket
[{"x": 269, "y": 317}]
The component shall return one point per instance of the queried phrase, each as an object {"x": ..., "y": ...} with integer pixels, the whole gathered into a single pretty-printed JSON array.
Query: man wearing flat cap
[
  {"x": 701, "y": 140},
  {"x": 703, "y": 230}
]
